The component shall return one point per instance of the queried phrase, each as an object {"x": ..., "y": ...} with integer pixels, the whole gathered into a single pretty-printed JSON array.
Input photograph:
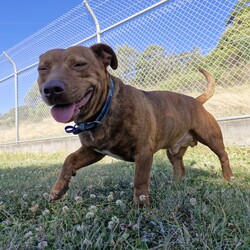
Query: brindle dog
[{"x": 122, "y": 121}]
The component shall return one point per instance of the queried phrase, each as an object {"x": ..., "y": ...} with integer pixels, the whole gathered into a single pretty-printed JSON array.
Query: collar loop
[{"x": 86, "y": 126}]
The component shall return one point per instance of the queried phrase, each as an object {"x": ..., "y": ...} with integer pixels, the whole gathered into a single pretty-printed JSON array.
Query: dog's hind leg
[
  {"x": 226, "y": 169},
  {"x": 212, "y": 137},
  {"x": 217, "y": 146},
  {"x": 176, "y": 159}
]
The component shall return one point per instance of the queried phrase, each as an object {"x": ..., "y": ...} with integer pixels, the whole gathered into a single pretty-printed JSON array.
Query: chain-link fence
[{"x": 159, "y": 44}]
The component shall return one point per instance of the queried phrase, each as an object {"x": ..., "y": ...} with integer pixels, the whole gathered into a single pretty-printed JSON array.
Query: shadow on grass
[{"x": 32, "y": 173}]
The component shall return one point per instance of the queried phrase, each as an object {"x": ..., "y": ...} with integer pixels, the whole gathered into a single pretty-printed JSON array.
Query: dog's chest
[{"x": 107, "y": 144}]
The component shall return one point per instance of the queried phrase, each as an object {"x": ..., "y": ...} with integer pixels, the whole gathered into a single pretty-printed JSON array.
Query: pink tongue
[{"x": 63, "y": 113}]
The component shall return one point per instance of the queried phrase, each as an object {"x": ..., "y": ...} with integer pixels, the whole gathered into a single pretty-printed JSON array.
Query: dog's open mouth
[{"x": 68, "y": 112}]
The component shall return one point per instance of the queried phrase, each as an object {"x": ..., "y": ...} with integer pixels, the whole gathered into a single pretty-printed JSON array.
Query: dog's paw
[
  {"x": 58, "y": 190},
  {"x": 54, "y": 195},
  {"x": 141, "y": 200},
  {"x": 57, "y": 194},
  {"x": 229, "y": 177}
]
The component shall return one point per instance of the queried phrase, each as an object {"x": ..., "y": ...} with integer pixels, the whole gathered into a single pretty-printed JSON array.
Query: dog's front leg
[
  {"x": 80, "y": 158},
  {"x": 143, "y": 164}
]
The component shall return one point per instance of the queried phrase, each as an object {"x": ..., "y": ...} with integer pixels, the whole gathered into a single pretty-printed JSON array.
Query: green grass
[{"x": 201, "y": 211}]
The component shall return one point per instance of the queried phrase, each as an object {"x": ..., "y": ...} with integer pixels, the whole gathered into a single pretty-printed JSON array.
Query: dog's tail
[{"x": 208, "y": 93}]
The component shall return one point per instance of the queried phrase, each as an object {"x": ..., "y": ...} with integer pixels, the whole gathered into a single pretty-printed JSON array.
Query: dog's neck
[{"x": 80, "y": 127}]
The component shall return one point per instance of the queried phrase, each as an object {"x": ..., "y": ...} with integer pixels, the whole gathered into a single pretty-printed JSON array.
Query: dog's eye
[
  {"x": 42, "y": 68},
  {"x": 79, "y": 64}
]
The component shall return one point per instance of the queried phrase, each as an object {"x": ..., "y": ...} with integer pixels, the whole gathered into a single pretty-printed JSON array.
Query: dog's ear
[{"x": 106, "y": 54}]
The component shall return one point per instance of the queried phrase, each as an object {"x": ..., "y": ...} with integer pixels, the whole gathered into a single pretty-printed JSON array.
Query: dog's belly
[
  {"x": 109, "y": 153},
  {"x": 184, "y": 141},
  {"x": 106, "y": 144}
]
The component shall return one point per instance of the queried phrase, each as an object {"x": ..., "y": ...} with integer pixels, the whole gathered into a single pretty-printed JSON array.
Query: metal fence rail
[{"x": 159, "y": 44}]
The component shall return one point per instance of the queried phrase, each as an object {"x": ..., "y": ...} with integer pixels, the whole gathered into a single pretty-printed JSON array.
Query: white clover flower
[
  {"x": 79, "y": 228},
  {"x": 90, "y": 187},
  {"x": 34, "y": 208},
  {"x": 92, "y": 196},
  {"x": 42, "y": 244},
  {"x": 78, "y": 199},
  {"x": 136, "y": 227},
  {"x": 5, "y": 222},
  {"x": 142, "y": 197},
  {"x": 111, "y": 224},
  {"x": 193, "y": 201},
  {"x": 45, "y": 212},
  {"x": 24, "y": 204},
  {"x": 119, "y": 202},
  {"x": 122, "y": 193},
  {"x": 110, "y": 197},
  {"x": 114, "y": 221},
  {"x": 87, "y": 242},
  {"x": 27, "y": 235},
  {"x": 93, "y": 209},
  {"x": 65, "y": 209},
  {"x": 46, "y": 196},
  {"x": 39, "y": 229},
  {"x": 25, "y": 196},
  {"x": 90, "y": 215}
]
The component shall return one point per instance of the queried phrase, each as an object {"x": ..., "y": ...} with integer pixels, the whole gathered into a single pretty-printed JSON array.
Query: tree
[
  {"x": 233, "y": 48},
  {"x": 127, "y": 57},
  {"x": 185, "y": 61},
  {"x": 33, "y": 97},
  {"x": 35, "y": 109},
  {"x": 151, "y": 66},
  {"x": 238, "y": 9}
]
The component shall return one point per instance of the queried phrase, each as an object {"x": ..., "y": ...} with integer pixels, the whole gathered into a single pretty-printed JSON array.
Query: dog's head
[{"x": 75, "y": 81}]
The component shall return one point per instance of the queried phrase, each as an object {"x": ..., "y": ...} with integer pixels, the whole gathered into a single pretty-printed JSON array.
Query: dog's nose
[{"x": 53, "y": 88}]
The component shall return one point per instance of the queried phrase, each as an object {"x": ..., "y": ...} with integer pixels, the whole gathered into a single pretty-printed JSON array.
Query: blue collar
[{"x": 86, "y": 126}]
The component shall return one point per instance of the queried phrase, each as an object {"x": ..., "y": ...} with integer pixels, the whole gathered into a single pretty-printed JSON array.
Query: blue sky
[{"x": 20, "y": 19}]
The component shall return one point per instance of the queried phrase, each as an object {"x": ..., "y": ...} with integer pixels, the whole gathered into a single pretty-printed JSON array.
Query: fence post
[
  {"x": 98, "y": 31},
  {"x": 16, "y": 95}
]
